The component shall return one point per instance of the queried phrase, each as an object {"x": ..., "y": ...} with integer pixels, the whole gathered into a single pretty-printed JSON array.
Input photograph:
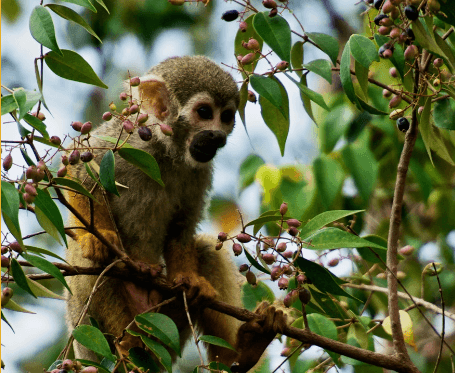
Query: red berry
[{"x": 243, "y": 237}]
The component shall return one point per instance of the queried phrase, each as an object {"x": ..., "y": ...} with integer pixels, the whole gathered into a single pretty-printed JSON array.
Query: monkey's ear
[{"x": 155, "y": 98}]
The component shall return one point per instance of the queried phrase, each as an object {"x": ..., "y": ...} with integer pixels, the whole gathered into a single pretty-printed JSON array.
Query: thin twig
[
  {"x": 196, "y": 340},
  {"x": 443, "y": 321}
]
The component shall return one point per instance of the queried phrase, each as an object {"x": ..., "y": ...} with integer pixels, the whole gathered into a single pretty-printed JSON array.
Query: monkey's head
[{"x": 197, "y": 99}]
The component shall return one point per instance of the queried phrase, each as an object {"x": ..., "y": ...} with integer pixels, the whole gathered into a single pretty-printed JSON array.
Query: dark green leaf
[
  {"x": 397, "y": 58},
  {"x": 321, "y": 67},
  {"x": 312, "y": 95},
  {"x": 144, "y": 161},
  {"x": 361, "y": 74},
  {"x": 143, "y": 359},
  {"x": 248, "y": 170},
  {"x": 40, "y": 251},
  {"x": 444, "y": 114},
  {"x": 269, "y": 89},
  {"x": 107, "y": 173},
  {"x": 324, "y": 219},
  {"x": 329, "y": 179},
  {"x": 240, "y": 37},
  {"x": 46, "y": 266},
  {"x": 447, "y": 12},
  {"x": 101, "y": 2},
  {"x": 10, "y": 210},
  {"x": 94, "y": 340},
  {"x": 47, "y": 205},
  {"x": 71, "y": 15},
  {"x": 297, "y": 57},
  {"x": 265, "y": 219},
  {"x": 85, "y": 3},
  {"x": 363, "y": 50},
  {"x": 161, "y": 327},
  {"x": 275, "y": 32},
  {"x": 449, "y": 57},
  {"x": 72, "y": 67},
  {"x": 328, "y": 44},
  {"x": 345, "y": 74},
  {"x": 422, "y": 178},
  {"x": 255, "y": 263},
  {"x": 73, "y": 185},
  {"x": 21, "y": 99},
  {"x": 37, "y": 124},
  {"x": 374, "y": 255},
  {"x": 8, "y": 104},
  {"x": 243, "y": 101},
  {"x": 325, "y": 303},
  {"x": 42, "y": 28},
  {"x": 370, "y": 109},
  {"x": 252, "y": 295},
  {"x": 216, "y": 341},
  {"x": 162, "y": 355},
  {"x": 333, "y": 127},
  {"x": 306, "y": 100},
  {"x": 19, "y": 276},
  {"x": 322, "y": 326}
]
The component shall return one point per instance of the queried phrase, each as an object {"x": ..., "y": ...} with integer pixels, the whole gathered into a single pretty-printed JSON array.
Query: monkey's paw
[
  {"x": 93, "y": 249},
  {"x": 197, "y": 288}
]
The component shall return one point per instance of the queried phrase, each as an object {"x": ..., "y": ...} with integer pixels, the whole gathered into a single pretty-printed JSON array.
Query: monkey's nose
[{"x": 205, "y": 144}]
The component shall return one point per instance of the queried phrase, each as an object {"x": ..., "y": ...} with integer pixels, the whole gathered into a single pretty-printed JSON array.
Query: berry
[
  {"x": 112, "y": 106},
  {"x": 30, "y": 189},
  {"x": 107, "y": 116},
  {"x": 387, "y": 7},
  {"x": 15, "y": 247},
  {"x": 28, "y": 198},
  {"x": 218, "y": 246},
  {"x": 252, "y": 44},
  {"x": 288, "y": 254},
  {"x": 293, "y": 223},
  {"x": 283, "y": 283},
  {"x": 243, "y": 267},
  {"x": 243, "y": 26},
  {"x": 86, "y": 128},
  {"x": 293, "y": 231},
  {"x": 133, "y": 109},
  {"x": 230, "y": 15},
  {"x": 304, "y": 296},
  {"x": 384, "y": 30},
  {"x": 438, "y": 62},
  {"x": 411, "y": 52},
  {"x": 411, "y": 12},
  {"x": 145, "y": 133},
  {"x": 281, "y": 247},
  {"x": 385, "y": 51},
  {"x": 378, "y": 3},
  {"x": 247, "y": 59},
  {"x": 128, "y": 126},
  {"x": 166, "y": 129},
  {"x": 403, "y": 124},
  {"x": 395, "y": 33},
  {"x": 30, "y": 172},
  {"x": 434, "y": 6},
  {"x": 55, "y": 140},
  {"x": 275, "y": 273},
  {"x": 5, "y": 261},
  {"x": 301, "y": 279},
  {"x": 39, "y": 175},
  {"x": 407, "y": 250},
  {"x": 222, "y": 236},
  {"x": 243, "y": 237},
  {"x": 420, "y": 109},
  {"x": 269, "y": 258},
  {"x": 237, "y": 249},
  {"x": 436, "y": 82},
  {"x": 393, "y": 72},
  {"x": 273, "y": 12},
  {"x": 251, "y": 278},
  {"x": 379, "y": 17},
  {"x": 134, "y": 82},
  {"x": 76, "y": 126},
  {"x": 65, "y": 160},
  {"x": 86, "y": 157},
  {"x": 62, "y": 171},
  {"x": 7, "y": 293},
  {"x": 123, "y": 96},
  {"x": 386, "y": 93},
  {"x": 395, "y": 101},
  {"x": 333, "y": 262},
  {"x": 290, "y": 298},
  {"x": 74, "y": 157},
  {"x": 251, "y": 97},
  {"x": 7, "y": 162},
  {"x": 283, "y": 65},
  {"x": 269, "y": 4},
  {"x": 398, "y": 113},
  {"x": 142, "y": 118}
]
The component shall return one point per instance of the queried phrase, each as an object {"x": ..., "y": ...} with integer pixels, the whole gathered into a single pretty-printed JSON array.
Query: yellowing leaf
[
  {"x": 406, "y": 327},
  {"x": 269, "y": 177}
]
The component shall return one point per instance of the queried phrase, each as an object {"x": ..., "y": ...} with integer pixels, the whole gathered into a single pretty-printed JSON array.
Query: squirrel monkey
[{"x": 157, "y": 225}]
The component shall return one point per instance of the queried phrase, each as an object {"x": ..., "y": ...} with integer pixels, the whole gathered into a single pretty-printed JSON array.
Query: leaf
[
  {"x": 277, "y": 118},
  {"x": 333, "y": 127},
  {"x": 143, "y": 360},
  {"x": 263, "y": 220},
  {"x": 321, "y": 67},
  {"x": 85, "y": 3},
  {"x": 71, "y": 15},
  {"x": 406, "y": 327},
  {"x": 39, "y": 251},
  {"x": 19, "y": 276},
  {"x": 10, "y": 210},
  {"x": 73, "y": 185},
  {"x": 13, "y": 306},
  {"x": 449, "y": 56},
  {"x": 258, "y": 226},
  {"x": 47, "y": 205},
  {"x": 425, "y": 38},
  {"x": 243, "y": 101},
  {"x": 306, "y": 100},
  {"x": 72, "y": 67},
  {"x": 324, "y": 304},
  {"x": 362, "y": 165},
  {"x": 21, "y": 99},
  {"x": 240, "y": 37},
  {"x": 252, "y": 295},
  {"x": 46, "y": 266},
  {"x": 248, "y": 170},
  {"x": 329, "y": 179},
  {"x": 269, "y": 89},
  {"x": 374, "y": 255},
  {"x": 363, "y": 50},
  {"x": 361, "y": 74},
  {"x": 37, "y": 124},
  {"x": 312, "y": 95},
  {"x": 334, "y": 238},
  {"x": 94, "y": 340},
  {"x": 447, "y": 12},
  {"x": 297, "y": 57},
  {"x": 321, "y": 278},
  {"x": 370, "y": 109},
  {"x": 161, "y": 327},
  {"x": 345, "y": 75},
  {"x": 41, "y": 291},
  {"x": 42, "y": 29},
  {"x": 422, "y": 178},
  {"x": 397, "y": 58},
  {"x": 328, "y": 44},
  {"x": 142, "y": 160},
  {"x": 216, "y": 341},
  {"x": 325, "y": 218},
  {"x": 8, "y": 104},
  {"x": 107, "y": 173},
  {"x": 254, "y": 262},
  {"x": 275, "y": 32},
  {"x": 444, "y": 114},
  {"x": 158, "y": 350},
  {"x": 322, "y": 326}
]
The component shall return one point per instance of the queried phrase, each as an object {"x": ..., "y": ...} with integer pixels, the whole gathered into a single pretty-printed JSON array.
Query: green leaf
[
  {"x": 216, "y": 341},
  {"x": 42, "y": 28},
  {"x": 328, "y": 44},
  {"x": 275, "y": 32},
  {"x": 162, "y": 355},
  {"x": 85, "y": 3},
  {"x": 449, "y": 57},
  {"x": 243, "y": 101},
  {"x": 42, "y": 292},
  {"x": 254, "y": 262},
  {"x": 312, "y": 95},
  {"x": 321, "y": 278},
  {"x": 268, "y": 88},
  {"x": 107, "y": 173},
  {"x": 345, "y": 75},
  {"x": 329, "y": 179},
  {"x": 71, "y": 15},
  {"x": 263, "y": 220},
  {"x": 323, "y": 219},
  {"x": 324, "y": 304},
  {"x": 370, "y": 109},
  {"x": 103, "y": 5},
  {"x": 142, "y": 160},
  {"x": 363, "y": 50},
  {"x": 447, "y": 12},
  {"x": 20, "y": 98},
  {"x": 8, "y": 104},
  {"x": 47, "y": 205},
  {"x": 94, "y": 340},
  {"x": 371, "y": 254},
  {"x": 37, "y": 124},
  {"x": 321, "y": 67},
  {"x": 397, "y": 58},
  {"x": 361, "y": 74},
  {"x": 248, "y": 170},
  {"x": 39, "y": 251},
  {"x": 240, "y": 37},
  {"x": 143, "y": 360},
  {"x": 13, "y": 306},
  {"x": 47, "y": 224},
  {"x": 263, "y": 215},
  {"x": 306, "y": 100},
  {"x": 19, "y": 276},
  {"x": 444, "y": 114},
  {"x": 333, "y": 127},
  {"x": 422, "y": 178},
  {"x": 322, "y": 326},
  {"x": 362, "y": 165},
  {"x": 425, "y": 37},
  {"x": 46, "y": 266},
  {"x": 73, "y": 185},
  {"x": 297, "y": 57},
  {"x": 161, "y": 327},
  {"x": 276, "y": 118},
  {"x": 252, "y": 295},
  {"x": 72, "y": 67},
  {"x": 10, "y": 210}
]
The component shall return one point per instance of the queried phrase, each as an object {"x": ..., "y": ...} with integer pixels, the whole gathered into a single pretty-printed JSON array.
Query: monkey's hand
[
  {"x": 197, "y": 288},
  {"x": 254, "y": 336},
  {"x": 93, "y": 248}
]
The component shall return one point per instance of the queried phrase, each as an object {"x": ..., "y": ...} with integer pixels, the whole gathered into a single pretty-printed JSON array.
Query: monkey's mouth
[{"x": 205, "y": 144}]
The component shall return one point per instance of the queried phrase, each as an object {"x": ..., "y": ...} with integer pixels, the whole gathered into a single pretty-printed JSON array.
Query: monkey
[{"x": 157, "y": 225}]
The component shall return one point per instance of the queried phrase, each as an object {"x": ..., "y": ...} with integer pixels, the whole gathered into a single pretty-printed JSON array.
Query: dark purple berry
[
  {"x": 304, "y": 296},
  {"x": 379, "y": 17},
  {"x": 74, "y": 157},
  {"x": 222, "y": 236},
  {"x": 237, "y": 249},
  {"x": 76, "y": 126},
  {"x": 378, "y": 3},
  {"x": 403, "y": 124},
  {"x": 411, "y": 12},
  {"x": 145, "y": 133},
  {"x": 86, "y": 157},
  {"x": 55, "y": 140},
  {"x": 230, "y": 15}
]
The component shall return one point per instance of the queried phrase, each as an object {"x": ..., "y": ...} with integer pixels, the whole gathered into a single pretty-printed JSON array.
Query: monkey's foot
[
  {"x": 93, "y": 249},
  {"x": 197, "y": 288}
]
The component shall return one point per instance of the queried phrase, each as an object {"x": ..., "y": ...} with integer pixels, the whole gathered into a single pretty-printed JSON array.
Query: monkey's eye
[
  {"x": 227, "y": 116},
  {"x": 205, "y": 112}
]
